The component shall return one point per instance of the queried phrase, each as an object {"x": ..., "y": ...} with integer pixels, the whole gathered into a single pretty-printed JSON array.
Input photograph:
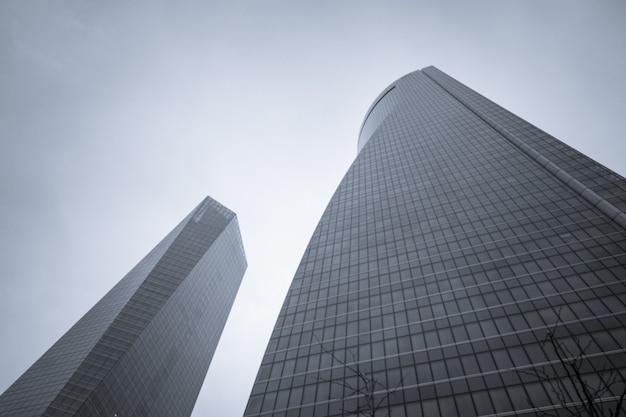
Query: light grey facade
[
  {"x": 145, "y": 347},
  {"x": 460, "y": 238}
]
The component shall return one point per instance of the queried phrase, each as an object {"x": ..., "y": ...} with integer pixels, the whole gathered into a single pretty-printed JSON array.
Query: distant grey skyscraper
[
  {"x": 145, "y": 347},
  {"x": 460, "y": 239}
]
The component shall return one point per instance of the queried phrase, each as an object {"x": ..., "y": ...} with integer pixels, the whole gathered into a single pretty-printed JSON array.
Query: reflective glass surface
[
  {"x": 446, "y": 258},
  {"x": 144, "y": 349}
]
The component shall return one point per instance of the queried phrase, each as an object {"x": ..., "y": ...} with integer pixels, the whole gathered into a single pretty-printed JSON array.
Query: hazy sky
[{"x": 118, "y": 117}]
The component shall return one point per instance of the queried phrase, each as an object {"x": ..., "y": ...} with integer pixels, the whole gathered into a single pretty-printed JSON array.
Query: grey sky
[{"x": 116, "y": 118}]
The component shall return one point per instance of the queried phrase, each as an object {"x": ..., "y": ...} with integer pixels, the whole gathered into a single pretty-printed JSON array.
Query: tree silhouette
[
  {"x": 577, "y": 392},
  {"x": 371, "y": 394}
]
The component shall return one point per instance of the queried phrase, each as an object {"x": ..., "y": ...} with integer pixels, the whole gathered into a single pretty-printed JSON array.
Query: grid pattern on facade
[
  {"x": 148, "y": 357},
  {"x": 597, "y": 177},
  {"x": 440, "y": 264}
]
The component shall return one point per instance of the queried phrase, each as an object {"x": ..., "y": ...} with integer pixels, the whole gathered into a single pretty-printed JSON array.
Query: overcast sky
[{"x": 118, "y": 117}]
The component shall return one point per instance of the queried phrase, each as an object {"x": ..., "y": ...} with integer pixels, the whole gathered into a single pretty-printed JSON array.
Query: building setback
[
  {"x": 465, "y": 255},
  {"x": 145, "y": 347}
]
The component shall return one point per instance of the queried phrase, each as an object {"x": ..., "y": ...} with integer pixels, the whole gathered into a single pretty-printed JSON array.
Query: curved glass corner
[{"x": 377, "y": 114}]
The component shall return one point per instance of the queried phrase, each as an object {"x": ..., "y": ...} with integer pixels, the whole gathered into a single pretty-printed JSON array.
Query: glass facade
[
  {"x": 144, "y": 349},
  {"x": 465, "y": 262}
]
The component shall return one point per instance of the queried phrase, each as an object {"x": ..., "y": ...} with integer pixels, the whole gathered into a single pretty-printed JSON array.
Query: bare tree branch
[
  {"x": 579, "y": 397},
  {"x": 367, "y": 389}
]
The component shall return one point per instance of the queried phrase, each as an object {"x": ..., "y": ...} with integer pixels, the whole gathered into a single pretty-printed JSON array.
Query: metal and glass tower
[
  {"x": 465, "y": 262},
  {"x": 145, "y": 347}
]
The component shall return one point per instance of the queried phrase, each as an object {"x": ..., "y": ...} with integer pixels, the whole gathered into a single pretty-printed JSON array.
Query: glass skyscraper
[
  {"x": 145, "y": 347},
  {"x": 467, "y": 264}
]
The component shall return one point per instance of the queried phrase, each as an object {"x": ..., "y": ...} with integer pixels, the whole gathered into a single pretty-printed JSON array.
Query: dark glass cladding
[
  {"x": 449, "y": 251},
  {"x": 145, "y": 348}
]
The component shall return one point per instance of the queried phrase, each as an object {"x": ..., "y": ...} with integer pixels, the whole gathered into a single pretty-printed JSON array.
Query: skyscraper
[
  {"x": 467, "y": 264},
  {"x": 145, "y": 347}
]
